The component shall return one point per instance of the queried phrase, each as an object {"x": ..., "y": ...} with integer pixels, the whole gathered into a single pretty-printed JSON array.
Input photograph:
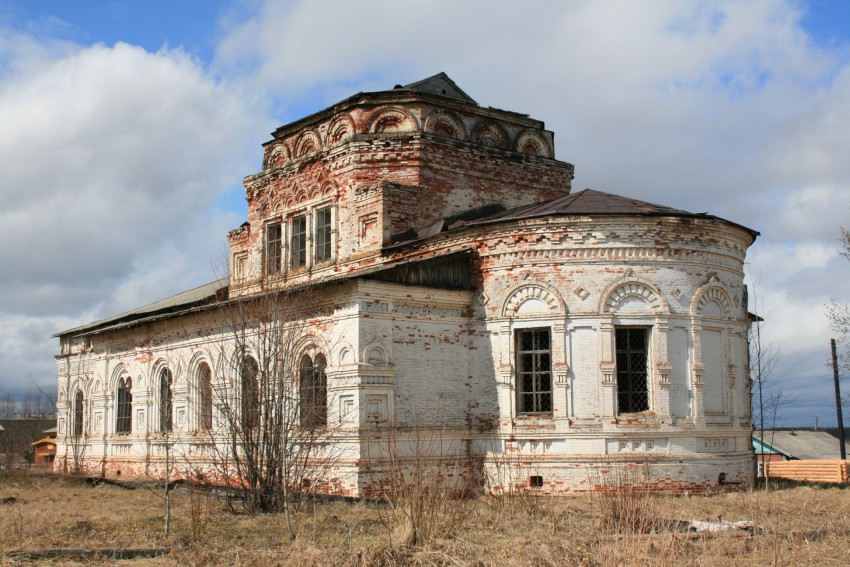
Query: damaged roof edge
[
  {"x": 181, "y": 300},
  {"x": 173, "y": 306}
]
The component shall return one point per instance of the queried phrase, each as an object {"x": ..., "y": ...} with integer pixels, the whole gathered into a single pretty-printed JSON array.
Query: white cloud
[
  {"x": 113, "y": 158},
  {"x": 110, "y": 153},
  {"x": 726, "y": 107}
]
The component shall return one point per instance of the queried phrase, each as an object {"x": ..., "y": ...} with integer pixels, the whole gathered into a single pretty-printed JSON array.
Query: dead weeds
[{"x": 802, "y": 525}]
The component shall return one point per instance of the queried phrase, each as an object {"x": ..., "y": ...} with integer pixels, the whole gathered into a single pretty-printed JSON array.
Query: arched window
[
  {"x": 124, "y": 409},
  {"x": 313, "y": 389},
  {"x": 79, "y": 403},
  {"x": 205, "y": 403},
  {"x": 250, "y": 394},
  {"x": 166, "y": 398}
]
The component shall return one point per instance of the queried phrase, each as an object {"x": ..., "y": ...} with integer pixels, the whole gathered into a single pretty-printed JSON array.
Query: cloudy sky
[{"x": 126, "y": 128}]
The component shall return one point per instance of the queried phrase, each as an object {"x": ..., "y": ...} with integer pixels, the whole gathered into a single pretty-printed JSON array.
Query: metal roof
[
  {"x": 592, "y": 202},
  {"x": 801, "y": 444},
  {"x": 441, "y": 85},
  {"x": 180, "y": 301}
]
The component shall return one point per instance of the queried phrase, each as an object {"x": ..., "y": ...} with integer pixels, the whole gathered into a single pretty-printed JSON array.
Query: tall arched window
[
  {"x": 166, "y": 399},
  {"x": 124, "y": 408},
  {"x": 313, "y": 389},
  {"x": 250, "y": 394},
  {"x": 79, "y": 404},
  {"x": 205, "y": 403}
]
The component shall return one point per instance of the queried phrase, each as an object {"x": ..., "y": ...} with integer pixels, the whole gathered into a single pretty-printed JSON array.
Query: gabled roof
[
  {"x": 440, "y": 84},
  {"x": 196, "y": 296},
  {"x": 801, "y": 444},
  {"x": 591, "y": 203}
]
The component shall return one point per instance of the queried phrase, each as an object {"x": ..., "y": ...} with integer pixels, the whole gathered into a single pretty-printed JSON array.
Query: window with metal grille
[
  {"x": 632, "y": 369},
  {"x": 250, "y": 396},
  {"x": 79, "y": 405},
  {"x": 314, "y": 392},
  {"x": 323, "y": 234},
  {"x": 298, "y": 242},
  {"x": 166, "y": 398},
  {"x": 124, "y": 409},
  {"x": 205, "y": 404},
  {"x": 273, "y": 247},
  {"x": 534, "y": 371}
]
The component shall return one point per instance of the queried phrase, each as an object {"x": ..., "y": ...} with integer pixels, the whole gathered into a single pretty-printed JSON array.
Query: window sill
[{"x": 535, "y": 420}]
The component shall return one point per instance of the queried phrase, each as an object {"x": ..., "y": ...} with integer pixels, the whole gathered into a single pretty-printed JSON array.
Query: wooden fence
[{"x": 813, "y": 471}]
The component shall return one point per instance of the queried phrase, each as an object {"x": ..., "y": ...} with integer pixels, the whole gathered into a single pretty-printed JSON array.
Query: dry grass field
[{"x": 801, "y": 525}]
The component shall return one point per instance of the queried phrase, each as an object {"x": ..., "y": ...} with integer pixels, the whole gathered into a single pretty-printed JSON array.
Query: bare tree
[
  {"x": 270, "y": 439},
  {"x": 8, "y": 405},
  {"x": 838, "y": 315},
  {"x": 45, "y": 402},
  {"x": 77, "y": 419},
  {"x": 766, "y": 397}
]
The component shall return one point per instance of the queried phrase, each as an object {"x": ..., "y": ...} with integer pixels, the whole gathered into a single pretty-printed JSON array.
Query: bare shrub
[
  {"x": 269, "y": 440},
  {"x": 624, "y": 502},
  {"x": 420, "y": 484}
]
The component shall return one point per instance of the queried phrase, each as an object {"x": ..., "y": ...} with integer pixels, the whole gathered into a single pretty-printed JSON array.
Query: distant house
[
  {"x": 17, "y": 436},
  {"x": 794, "y": 445},
  {"x": 45, "y": 449}
]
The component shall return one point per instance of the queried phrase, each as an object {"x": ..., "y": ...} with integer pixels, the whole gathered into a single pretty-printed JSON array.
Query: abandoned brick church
[{"x": 452, "y": 288}]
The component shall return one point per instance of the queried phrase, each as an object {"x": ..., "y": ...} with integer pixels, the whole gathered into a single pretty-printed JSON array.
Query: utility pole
[{"x": 838, "y": 400}]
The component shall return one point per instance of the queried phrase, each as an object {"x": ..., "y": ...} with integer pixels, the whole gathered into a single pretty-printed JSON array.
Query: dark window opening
[
  {"x": 79, "y": 403},
  {"x": 534, "y": 371},
  {"x": 298, "y": 242},
  {"x": 250, "y": 394},
  {"x": 205, "y": 404},
  {"x": 632, "y": 369},
  {"x": 166, "y": 401},
  {"x": 273, "y": 247},
  {"x": 535, "y": 481},
  {"x": 124, "y": 413},
  {"x": 323, "y": 234},
  {"x": 313, "y": 390}
]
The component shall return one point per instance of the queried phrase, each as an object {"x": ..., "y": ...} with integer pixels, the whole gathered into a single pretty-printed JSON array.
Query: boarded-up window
[{"x": 713, "y": 356}]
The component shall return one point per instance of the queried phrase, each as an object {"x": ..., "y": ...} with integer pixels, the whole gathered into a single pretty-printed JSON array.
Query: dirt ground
[{"x": 46, "y": 520}]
